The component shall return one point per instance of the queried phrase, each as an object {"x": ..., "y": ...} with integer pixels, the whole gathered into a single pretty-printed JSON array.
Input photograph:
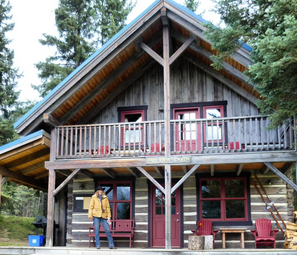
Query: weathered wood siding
[
  {"x": 60, "y": 212},
  {"x": 189, "y": 84}
]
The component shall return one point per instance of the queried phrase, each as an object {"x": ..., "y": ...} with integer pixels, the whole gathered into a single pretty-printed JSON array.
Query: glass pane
[
  {"x": 158, "y": 193},
  {"x": 212, "y": 132},
  {"x": 111, "y": 208},
  {"x": 133, "y": 117},
  {"x": 164, "y": 210},
  {"x": 132, "y": 136},
  {"x": 235, "y": 209},
  {"x": 211, "y": 189},
  {"x": 158, "y": 201},
  {"x": 158, "y": 210},
  {"x": 173, "y": 201},
  {"x": 79, "y": 203},
  {"x": 211, "y": 209},
  {"x": 173, "y": 210},
  {"x": 234, "y": 188},
  {"x": 213, "y": 113},
  {"x": 108, "y": 190},
  {"x": 123, "y": 211},
  {"x": 123, "y": 192}
]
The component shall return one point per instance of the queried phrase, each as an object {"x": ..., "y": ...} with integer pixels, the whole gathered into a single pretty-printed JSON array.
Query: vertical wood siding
[{"x": 189, "y": 84}]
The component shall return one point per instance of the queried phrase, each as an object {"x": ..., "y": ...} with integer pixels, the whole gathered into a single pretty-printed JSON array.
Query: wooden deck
[{"x": 122, "y": 251}]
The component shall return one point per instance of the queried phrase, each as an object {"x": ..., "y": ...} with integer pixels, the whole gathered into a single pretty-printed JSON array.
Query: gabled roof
[{"x": 102, "y": 66}]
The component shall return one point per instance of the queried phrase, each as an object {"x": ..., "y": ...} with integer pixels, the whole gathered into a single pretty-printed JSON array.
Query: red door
[
  {"x": 188, "y": 134},
  {"x": 158, "y": 218}
]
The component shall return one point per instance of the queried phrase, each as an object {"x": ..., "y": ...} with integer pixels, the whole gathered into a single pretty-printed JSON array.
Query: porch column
[
  {"x": 50, "y": 194},
  {"x": 0, "y": 188},
  {"x": 167, "y": 173},
  {"x": 50, "y": 208}
]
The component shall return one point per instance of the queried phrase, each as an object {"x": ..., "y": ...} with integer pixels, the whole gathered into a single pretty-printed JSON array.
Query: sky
[{"x": 33, "y": 18}]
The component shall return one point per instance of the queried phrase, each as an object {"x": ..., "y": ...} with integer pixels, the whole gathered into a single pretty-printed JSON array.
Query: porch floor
[{"x": 145, "y": 251}]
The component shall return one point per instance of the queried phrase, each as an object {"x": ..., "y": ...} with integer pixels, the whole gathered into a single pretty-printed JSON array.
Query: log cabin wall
[
  {"x": 60, "y": 217},
  {"x": 189, "y": 84}
]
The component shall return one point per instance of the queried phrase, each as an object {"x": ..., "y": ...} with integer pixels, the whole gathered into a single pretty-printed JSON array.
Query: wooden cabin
[{"x": 171, "y": 139}]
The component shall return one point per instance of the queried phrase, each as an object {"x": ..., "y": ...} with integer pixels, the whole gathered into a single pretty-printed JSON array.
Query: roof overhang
[{"x": 122, "y": 62}]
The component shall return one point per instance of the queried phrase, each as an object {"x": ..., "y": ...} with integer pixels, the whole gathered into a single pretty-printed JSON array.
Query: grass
[{"x": 14, "y": 230}]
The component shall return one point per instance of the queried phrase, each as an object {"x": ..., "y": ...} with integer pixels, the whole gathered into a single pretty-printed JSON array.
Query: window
[
  {"x": 223, "y": 199},
  {"x": 213, "y": 128},
  {"x": 119, "y": 194},
  {"x": 132, "y": 132}
]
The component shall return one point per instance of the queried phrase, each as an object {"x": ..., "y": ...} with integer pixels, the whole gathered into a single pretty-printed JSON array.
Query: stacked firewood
[{"x": 291, "y": 236}]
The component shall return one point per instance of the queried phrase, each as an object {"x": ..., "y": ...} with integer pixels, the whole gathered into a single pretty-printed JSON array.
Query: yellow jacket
[{"x": 95, "y": 209}]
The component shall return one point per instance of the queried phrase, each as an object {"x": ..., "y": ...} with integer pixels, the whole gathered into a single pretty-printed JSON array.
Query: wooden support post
[
  {"x": 56, "y": 191},
  {"x": 0, "y": 187},
  {"x": 145, "y": 173},
  {"x": 239, "y": 169},
  {"x": 50, "y": 194},
  {"x": 167, "y": 206},
  {"x": 281, "y": 175},
  {"x": 50, "y": 208}
]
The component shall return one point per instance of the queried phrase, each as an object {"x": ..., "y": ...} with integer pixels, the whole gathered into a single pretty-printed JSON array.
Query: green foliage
[
  {"x": 82, "y": 25},
  {"x": 192, "y": 4},
  {"x": 22, "y": 201},
  {"x": 16, "y": 228},
  {"x": 270, "y": 27}
]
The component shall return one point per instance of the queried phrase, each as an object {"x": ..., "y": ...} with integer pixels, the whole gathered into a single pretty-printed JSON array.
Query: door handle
[{"x": 177, "y": 220}]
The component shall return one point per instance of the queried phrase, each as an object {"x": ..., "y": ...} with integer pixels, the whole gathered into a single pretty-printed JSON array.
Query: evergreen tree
[
  {"x": 192, "y": 4},
  {"x": 8, "y": 75},
  {"x": 270, "y": 27},
  {"x": 82, "y": 25}
]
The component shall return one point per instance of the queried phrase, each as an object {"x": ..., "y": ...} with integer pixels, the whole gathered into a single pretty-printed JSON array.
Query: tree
[
  {"x": 270, "y": 27},
  {"x": 192, "y": 4},
  {"x": 82, "y": 25},
  {"x": 8, "y": 76}
]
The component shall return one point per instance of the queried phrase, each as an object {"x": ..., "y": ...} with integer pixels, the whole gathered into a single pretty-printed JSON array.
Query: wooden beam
[
  {"x": 1, "y": 176},
  {"x": 145, "y": 173},
  {"x": 281, "y": 175},
  {"x": 168, "y": 221},
  {"x": 115, "y": 93},
  {"x": 197, "y": 29},
  {"x": 26, "y": 180},
  {"x": 239, "y": 169},
  {"x": 109, "y": 172},
  {"x": 212, "y": 168},
  {"x": 233, "y": 86},
  {"x": 50, "y": 208},
  {"x": 186, "y": 44},
  {"x": 207, "y": 54},
  {"x": 134, "y": 171},
  {"x": 87, "y": 173},
  {"x": 185, "y": 169},
  {"x": 65, "y": 172},
  {"x": 4, "y": 179},
  {"x": 62, "y": 185},
  {"x": 184, "y": 178},
  {"x": 152, "y": 53},
  {"x": 265, "y": 170},
  {"x": 159, "y": 170},
  {"x": 28, "y": 158},
  {"x": 31, "y": 168},
  {"x": 164, "y": 17},
  {"x": 40, "y": 175},
  {"x": 49, "y": 119}
]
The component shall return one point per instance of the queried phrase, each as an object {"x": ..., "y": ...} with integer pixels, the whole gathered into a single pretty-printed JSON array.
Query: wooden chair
[
  {"x": 205, "y": 229},
  {"x": 263, "y": 232}
]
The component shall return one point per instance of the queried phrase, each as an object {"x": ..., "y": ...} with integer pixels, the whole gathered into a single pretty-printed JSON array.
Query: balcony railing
[{"x": 219, "y": 135}]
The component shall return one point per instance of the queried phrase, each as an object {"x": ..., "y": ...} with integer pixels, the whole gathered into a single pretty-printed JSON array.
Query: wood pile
[{"x": 291, "y": 236}]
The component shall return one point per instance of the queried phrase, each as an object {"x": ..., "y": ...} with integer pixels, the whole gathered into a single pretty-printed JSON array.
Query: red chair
[
  {"x": 102, "y": 150},
  {"x": 263, "y": 232},
  {"x": 205, "y": 229},
  {"x": 157, "y": 147},
  {"x": 230, "y": 146}
]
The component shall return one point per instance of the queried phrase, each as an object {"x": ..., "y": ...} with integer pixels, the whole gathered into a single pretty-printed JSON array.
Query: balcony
[{"x": 197, "y": 136}]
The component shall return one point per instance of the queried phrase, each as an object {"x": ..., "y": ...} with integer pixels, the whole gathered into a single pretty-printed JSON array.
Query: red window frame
[
  {"x": 205, "y": 108},
  {"x": 123, "y": 114},
  {"x": 223, "y": 199},
  {"x": 114, "y": 202}
]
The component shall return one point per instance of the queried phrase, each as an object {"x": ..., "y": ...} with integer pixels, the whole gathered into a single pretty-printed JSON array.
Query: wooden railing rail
[{"x": 217, "y": 135}]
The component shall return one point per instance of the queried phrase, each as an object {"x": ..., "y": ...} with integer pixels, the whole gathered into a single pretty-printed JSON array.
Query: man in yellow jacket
[{"x": 99, "y": 212}]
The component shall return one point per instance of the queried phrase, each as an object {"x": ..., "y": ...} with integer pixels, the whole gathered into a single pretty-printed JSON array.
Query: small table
[{"x": 233, "y": 230}]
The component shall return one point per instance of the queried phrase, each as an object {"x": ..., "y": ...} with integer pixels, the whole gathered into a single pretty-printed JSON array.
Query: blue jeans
[{"x": 105, "y": 225}]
